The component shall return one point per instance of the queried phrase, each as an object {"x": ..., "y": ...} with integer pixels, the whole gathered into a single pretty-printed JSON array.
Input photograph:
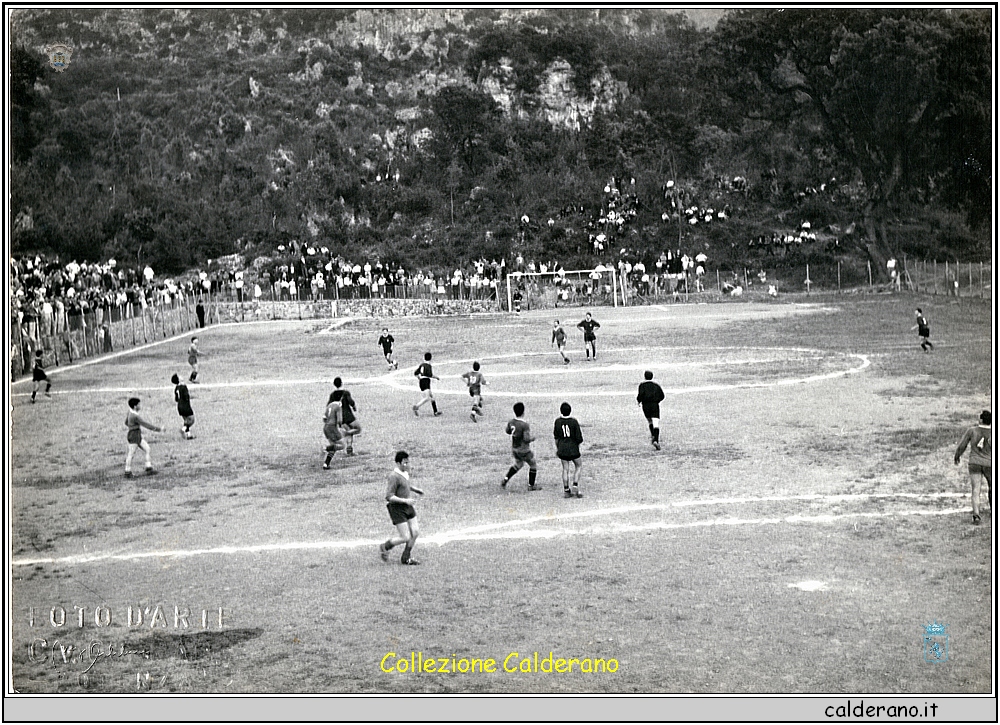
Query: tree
[
  {"x": 25, "y": 69},
  {"x": 883, "y": 87},
  {"x": 465, "y": 118}
]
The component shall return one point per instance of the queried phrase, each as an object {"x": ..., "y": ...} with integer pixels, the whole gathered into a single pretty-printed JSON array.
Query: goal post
[{"x": 573, "y": 288}]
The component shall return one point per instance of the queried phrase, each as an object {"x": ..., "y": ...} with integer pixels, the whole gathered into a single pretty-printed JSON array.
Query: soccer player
[
  {"x": 193, "y": 359},
  {"x": 516, "y": 297},
  {"x": 135, "y": 423},
  {"x": 37, "y": 376},
  {"x": 348, "y": 413},
  {"x": 475, "y": 380},
  {"x": 980, "y": 459},
  {"x": 923, "y": 329},
  {"x": 183, "y": 399},
  {"x": 568, "y": 439},
  {"x": 425, "y": 375},
  {"x": 649, "y": 398},
  {"x": 559, "y": 340},
  {"x": 386, "y": 341},
  {"x": 520, "y": 440},
  {"x": 588, "y": 325},
  {"x": 332, "y": 420},
  {"x": 398, "y": 495}
]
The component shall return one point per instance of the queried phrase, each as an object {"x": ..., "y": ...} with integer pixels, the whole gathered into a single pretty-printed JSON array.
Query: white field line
[
  {"x": 336, "y": 325},
  {"x": 113, "y": 355},
  {"x": 491, "y": 532},
  {"x": 395, "y": 379}
]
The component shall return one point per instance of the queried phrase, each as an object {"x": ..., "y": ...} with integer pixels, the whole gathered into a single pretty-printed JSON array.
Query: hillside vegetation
[{"x": 429, "y": 136}]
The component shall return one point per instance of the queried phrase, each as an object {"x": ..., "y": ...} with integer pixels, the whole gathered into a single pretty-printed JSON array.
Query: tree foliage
[{"x": 178, "y": 135}]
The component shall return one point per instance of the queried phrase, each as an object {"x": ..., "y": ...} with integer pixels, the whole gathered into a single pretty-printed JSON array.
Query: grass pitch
[{"x": 801, "y": 526}]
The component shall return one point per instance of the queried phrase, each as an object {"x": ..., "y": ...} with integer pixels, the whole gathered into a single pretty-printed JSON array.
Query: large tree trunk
[
  {"x": 875, "y": 214},
  {"x": 876, "y": 244}
]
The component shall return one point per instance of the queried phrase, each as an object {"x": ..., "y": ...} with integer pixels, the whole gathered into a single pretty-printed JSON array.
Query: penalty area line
[{"x": 448, "y": 537}]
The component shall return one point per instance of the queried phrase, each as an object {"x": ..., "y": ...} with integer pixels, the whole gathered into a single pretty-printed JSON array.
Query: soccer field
[{"x": 801, "y": 526}]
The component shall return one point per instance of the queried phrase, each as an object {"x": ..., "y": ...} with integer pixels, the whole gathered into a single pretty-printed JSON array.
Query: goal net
[{"x": 549, "y": 290}]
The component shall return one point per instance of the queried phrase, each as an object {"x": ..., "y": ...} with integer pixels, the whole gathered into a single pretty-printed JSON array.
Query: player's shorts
[
  {"x": 37, "y": 375},
  {"x": 189, "y": 420},
  {"x": 924, "y": 332},
  {"x": 589, "y": 337},
  {"x": 135, "y": 436},
  {"x": 474, "y": 391},
  {"x": 425, "y": 383},
  {"x": 651, "y": 412},
  {"x": 400, "y": 512},
  {"x": 332, "y": 433},
  {"x": 985, "y": 470},
  {"x": 524, "y": 457},
  {"x": 567, "y": 450},
  {"x": 192, "y": 360}
]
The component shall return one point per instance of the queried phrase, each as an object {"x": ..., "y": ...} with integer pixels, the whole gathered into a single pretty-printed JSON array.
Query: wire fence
[{"x": 67, "y": 337}]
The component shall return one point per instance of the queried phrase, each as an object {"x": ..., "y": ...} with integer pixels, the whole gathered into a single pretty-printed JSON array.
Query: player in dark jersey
[
  {"x": 332, "y": 420},
  {"x": 923, "y": 329},
  {"x": 516, "y": 298},
  {"x": 649, "y": 398},
  {"x": 193, "y": 354},
  {"x": 37, "y": 376},
  {"x": 349, "y": 409},
  {"x": 183, "y": 399},
  {"x": 401, "y": 512},
  {"x": 386, "y": 341},
  {"x": 475, "y": 380},
  {"x": 520, "y": 441},
  {"x": 980, "y": 459},
  {"x": 588, "y": 324},
  {"x": 559, "y": 340},
  {"x": 568, "y": 439},
  {"x": 426, "y": 374}
]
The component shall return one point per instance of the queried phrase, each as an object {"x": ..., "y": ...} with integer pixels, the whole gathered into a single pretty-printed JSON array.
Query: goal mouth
[{"x": 596, "y": 287}]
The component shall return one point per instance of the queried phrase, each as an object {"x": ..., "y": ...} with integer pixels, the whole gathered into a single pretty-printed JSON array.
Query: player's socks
[
  {"x": 656, "y": 435},
  {"x": 651, "y": 431},
  {"x": 434, "y": 406},
  {"x": 33, "y": 392},
  {"x": 532, "y": 473},
  {"x": 510, "y": 473},
  {"x": 329, "y": 457},
  {"x": 406, "y": 554}
]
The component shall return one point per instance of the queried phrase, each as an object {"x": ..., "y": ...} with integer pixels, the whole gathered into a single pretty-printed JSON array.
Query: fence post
[
  {"x": 982, "y": 292},
  {"x": 838, "y": 275},
  {"x": 935, "y": 277},
  {"x": 718, "y": 281},
  {"x": 870, "y": 284}
]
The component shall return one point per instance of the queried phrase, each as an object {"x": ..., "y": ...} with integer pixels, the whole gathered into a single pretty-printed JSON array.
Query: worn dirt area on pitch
[{"x": 703, "y": 608}]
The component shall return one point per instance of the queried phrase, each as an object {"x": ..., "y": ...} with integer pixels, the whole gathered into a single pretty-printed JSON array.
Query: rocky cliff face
[{"x": 433, "y": 33}]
